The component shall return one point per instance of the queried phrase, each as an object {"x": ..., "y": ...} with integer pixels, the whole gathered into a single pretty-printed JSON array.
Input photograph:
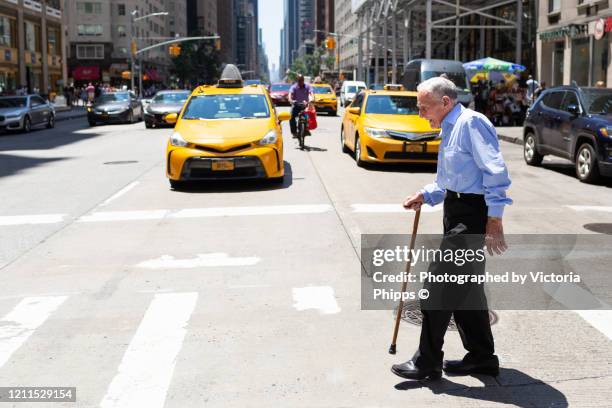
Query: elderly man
[{"x": 472, "y": 180}]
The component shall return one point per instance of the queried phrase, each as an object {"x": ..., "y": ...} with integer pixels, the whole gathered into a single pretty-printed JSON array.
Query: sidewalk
[{"x": 510, "y": 134}]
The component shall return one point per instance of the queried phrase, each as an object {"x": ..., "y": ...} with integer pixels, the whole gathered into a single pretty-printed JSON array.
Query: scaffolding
[{"x": 394, "y": 31}]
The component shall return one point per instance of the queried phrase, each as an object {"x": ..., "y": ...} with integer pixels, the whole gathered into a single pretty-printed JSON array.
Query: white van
[{"x": 349, "y": 90}]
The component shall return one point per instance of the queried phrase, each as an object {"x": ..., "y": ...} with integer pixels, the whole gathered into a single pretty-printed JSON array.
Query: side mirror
[
  {"x": 573, "y": 109},
  {"x": 171, "y": 118},
  {"x": 284, "y": 116},
  {"x": 354, "y": 111}
]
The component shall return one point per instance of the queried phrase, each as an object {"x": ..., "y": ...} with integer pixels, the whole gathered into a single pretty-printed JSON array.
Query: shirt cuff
[{"x": 496, "y": 211}]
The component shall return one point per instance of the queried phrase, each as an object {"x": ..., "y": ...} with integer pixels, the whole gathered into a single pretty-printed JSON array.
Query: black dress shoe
[
  {"x": 410, "y": 371},
  {"x": 462, "y": 367}
]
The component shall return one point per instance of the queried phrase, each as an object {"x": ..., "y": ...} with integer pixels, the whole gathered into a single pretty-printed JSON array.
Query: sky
[{"x": 271, "y": 21}]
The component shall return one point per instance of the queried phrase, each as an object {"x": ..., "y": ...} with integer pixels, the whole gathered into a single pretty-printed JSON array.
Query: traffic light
[
  {"x": 330, "y": 43},
  {"x": 218, "y": 44},
  {"x": 134, "y": 47},
  {"x": 126, "y": 74},
  {"x": 174, "y": 50}
]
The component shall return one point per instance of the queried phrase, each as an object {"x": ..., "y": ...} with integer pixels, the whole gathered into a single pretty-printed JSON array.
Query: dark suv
[{"x": 574, "y": 123}]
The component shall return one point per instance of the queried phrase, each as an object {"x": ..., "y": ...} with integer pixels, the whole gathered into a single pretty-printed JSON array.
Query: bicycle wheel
[{"x": 301, "y": 134}]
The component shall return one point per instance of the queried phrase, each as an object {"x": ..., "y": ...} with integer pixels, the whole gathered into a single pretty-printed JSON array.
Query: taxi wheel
[
  {"x": 333, "y": 113},
  {"x": 358, "y": 160},
  {"x": 345, "y": 149}
]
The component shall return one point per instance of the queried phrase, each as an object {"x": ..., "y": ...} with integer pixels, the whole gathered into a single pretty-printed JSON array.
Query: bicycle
[{"x": 302, "y": 125}]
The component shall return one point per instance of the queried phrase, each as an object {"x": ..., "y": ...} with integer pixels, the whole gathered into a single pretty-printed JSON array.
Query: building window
[
  {"x": 30, "y": 36},
  {"x": 93, "y": 51},
  {"x": 554, "y": 6},
  {"x": 580, "y": 61},
  {"x": 6, "y": 31},
  {"x": 121, "y": 31},
  {"x": 121, "y": 9},
  {"x": 89, "y": 7},
  {"x": 52, "y": 38},
  {"x": 89, "y": 29}
]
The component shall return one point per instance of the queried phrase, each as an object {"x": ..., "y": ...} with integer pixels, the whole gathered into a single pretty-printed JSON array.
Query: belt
[{"x": 455, "y": 194}]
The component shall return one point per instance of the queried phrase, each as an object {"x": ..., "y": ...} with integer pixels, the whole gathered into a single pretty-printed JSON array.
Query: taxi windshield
[
  {"x": 322, "y": 90},
  {"x": 392, "y": 105},
  {"x": 174, "y": 97},
  {"x": 226, "y": 107}
]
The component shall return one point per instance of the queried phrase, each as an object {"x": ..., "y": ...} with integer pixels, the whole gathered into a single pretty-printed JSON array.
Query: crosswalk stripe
[
  {"x": 148, "y": 364},
  {"x": 320, "y": 298},
  {"x": 201, "y": 260},
  {"x": 7, "y": 220},
  {"x": 19, "y": 324},
  {"x": 585, "y": 208}
]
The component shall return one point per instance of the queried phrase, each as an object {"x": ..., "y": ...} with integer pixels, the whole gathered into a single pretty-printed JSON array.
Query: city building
[
  {"x": 346, "y": 25},
  {"x": 306, "y": 21},
  {"x": 247, "y": 32},
  {"x": 176, "y": 22},
  {"x": 226, "y": 24},
  {"x": 99, "y": 37},
  {"x": 31, "y": 46},
  {"x": 573, "y": 42},
  {"x": 324, "y": 21},
  {"x": 289, "y": 42},
  {"x": 202, "y": 16}
]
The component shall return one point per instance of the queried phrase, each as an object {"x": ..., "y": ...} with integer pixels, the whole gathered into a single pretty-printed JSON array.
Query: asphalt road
[{"x": 248, "y": 294}]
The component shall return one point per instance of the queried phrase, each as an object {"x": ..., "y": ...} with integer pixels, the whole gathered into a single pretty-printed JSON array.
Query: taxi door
[{"x": 350, "y": 126}]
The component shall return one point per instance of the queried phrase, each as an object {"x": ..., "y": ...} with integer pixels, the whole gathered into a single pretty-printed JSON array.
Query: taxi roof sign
[
  {"x": 394, "y": 87},
  {"x": 230, "y": 77}
]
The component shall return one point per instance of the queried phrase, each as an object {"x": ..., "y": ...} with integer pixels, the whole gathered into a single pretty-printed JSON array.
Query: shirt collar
[{"x": 451, "y": 117}]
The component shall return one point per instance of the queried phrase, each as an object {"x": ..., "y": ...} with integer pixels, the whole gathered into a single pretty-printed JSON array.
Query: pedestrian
[
  {"x": 539, "y": 91},
  {"x": 91, "y": 92},
  {"x": 472, "y": 180}
]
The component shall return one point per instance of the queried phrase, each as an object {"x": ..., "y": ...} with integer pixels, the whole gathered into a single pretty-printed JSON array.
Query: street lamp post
[{"x": 134, "y": 19}]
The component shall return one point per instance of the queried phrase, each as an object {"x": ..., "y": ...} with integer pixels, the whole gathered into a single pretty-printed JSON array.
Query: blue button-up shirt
[{"x": 469, "y": 161}]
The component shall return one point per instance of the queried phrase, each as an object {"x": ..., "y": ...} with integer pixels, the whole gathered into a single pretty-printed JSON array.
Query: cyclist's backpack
[{"x": 312, "y": 118}]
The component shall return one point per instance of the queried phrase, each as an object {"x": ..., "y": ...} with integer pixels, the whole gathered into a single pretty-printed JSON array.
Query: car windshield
[
  {"x": 178, "y": 97},
  {"x": 113, "y": 97},
  {"x": 392, "y": 105},
  {"x": 598, "y": 101},
  {"x": 322, "y": 90},
  {"x": 226, "y": 107},
  {"x": 280, "y": 87},
  {"x": 458, "y": 78},
  {"x": 13, "y": 102},
  {"x": 354, "y": 89}
]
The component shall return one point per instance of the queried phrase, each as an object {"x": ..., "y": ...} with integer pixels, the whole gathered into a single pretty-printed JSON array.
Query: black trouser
[
  {"x": 295, "y": 112},
  {"x": 473, "y": 325}
]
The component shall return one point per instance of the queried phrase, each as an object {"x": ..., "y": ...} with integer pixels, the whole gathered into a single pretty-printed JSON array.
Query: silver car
[{"x": 25, "y": 112}]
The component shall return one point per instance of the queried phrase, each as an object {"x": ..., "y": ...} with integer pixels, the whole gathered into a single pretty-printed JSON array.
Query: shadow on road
[
  {"x": 238, "y": 186},
  {"x": 37, "y": 139},
  {"x": 513, "y": 388}
]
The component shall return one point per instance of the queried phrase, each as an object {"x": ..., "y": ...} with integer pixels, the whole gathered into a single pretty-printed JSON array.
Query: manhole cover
[
  {"x": 121, "y": 162},
  {"x": 412, "y": 314},
  {"x": 601, "y": 228}
]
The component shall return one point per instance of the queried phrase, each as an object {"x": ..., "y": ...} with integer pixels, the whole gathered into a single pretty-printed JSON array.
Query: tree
[
  {"x": 198, "y": 64},
  {"x": 310, "y": 64}
]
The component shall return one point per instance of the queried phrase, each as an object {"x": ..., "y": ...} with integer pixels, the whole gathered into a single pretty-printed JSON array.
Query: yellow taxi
[
  {"x": 325, "y": 99},
  {"x": 383, "y": 126},
  {"x": 227, "y": 131}
]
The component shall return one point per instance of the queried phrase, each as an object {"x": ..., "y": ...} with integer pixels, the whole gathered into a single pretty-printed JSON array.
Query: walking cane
[{"x": 400, "y": 307}]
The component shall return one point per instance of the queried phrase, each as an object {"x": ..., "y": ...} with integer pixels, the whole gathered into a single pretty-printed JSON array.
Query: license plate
[
  {"x": 414, "y": 148},
  {"x": 223, "y": 165}
]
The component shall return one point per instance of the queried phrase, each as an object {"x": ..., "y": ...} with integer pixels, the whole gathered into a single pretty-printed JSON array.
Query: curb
[{"x": 509, "y": 139}]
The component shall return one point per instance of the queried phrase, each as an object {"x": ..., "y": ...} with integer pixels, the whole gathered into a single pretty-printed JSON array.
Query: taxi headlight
[
  {"x": 177, "y": 140},
  {"x": 270, "y": 138},
  {"x": 376, "y": 132}
]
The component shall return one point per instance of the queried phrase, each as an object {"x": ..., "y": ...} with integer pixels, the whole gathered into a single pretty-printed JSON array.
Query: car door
[
  {"x": 352, "y": 119},
  {"x": 550, "y": 117},
  {"x": 37, "y": 108},
  {"x": 568, "y": 125}
]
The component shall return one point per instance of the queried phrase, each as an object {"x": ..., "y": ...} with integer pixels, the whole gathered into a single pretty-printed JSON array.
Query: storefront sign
[
  {"x": 570, "y": 31},
  {"x": 86, "y": 73}
]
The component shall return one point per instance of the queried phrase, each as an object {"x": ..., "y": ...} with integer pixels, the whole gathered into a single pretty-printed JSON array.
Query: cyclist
[{"x": 300, "y": 95}]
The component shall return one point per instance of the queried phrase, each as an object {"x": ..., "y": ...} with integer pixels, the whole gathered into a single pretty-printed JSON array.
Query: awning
[{"x": 86, "y": 73}]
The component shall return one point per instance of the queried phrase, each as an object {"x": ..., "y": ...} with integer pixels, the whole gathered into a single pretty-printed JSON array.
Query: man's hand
[
  {"x": 414, "y": 202},
  {"x": 494, "y": 237}
]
